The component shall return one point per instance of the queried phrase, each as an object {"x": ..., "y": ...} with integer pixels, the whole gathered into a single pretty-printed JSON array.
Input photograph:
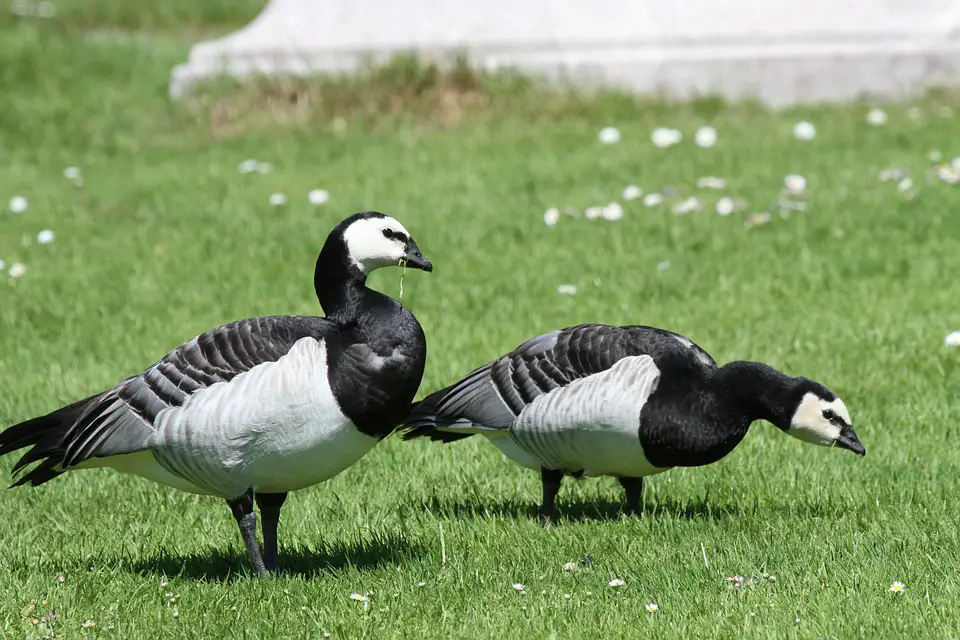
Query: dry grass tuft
[{"x": 431, "y": 94}]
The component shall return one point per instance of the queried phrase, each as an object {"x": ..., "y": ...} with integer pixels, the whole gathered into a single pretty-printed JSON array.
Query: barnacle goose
[
  {"x": 256, "y": 408},
  {"x": 629, "y": 402}
]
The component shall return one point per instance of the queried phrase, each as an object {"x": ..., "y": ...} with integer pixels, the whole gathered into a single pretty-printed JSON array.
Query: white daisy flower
[
  {"x": 711, "y": 182},
  {"x": 652, "y": 607},
  {"x": 663, "y": 137},
  {"x": 757, "y": 219},
  {"x": 17, "y": 270},
  {"x": 690, "y": 205},
  {"x": 948, "y": 174},
  {"x": 952, "y": 339},
  {"x": 359, "y": 597},
  {"x": 804, "y": 130},
  {"x": 905, "y": 185},
  {"x": 518, "y": 587},
  {"x": 613, "y": 211},
  {"x": 877, "y": 117},
  {"x": 18, "y": 204},
  {"x": 616, "y": 582},
  {"x": 652, "y": 199},
  {"x": 795, "y": 184},
  {"x": 422, "y": 583},
  {"x": 278, "y": 199},
  {"x": 705, "y": 137},
  {"x": 890, "y": 175},
  {"x": 248, "y": 166},
  {"x": 318, "y": 197},
  {"x": 592, "y": 213},
  {"x": 551, "y": 217},
  {"x": 898, "y": 587},
  {"x": 570, "y": 566},
  {"x": 72, "y": 173},
  {"x": 609, "y": 135},
  {"x": 21, "y": 7},
  {"x": 790, "y": 205},
  {"x": 734, "y": 581},
  {"x": 564, "y": 290},
  {"x": 45, "y": 236},
  {"x": 725, "y": 206},
  {"x": 89, "y": 624},
  {"x": 632, "y": 192}
]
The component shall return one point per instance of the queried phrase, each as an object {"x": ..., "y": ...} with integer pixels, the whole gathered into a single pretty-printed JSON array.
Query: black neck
[
  {"x": 757, "y": 392},
  {"x": 339, "y": 283}
]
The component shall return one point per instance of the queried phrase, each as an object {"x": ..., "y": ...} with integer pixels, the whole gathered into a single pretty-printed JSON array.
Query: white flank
[
  {"x": 513, "y": 450},
  {"x": 275, "y": 428},
  {"x": 592, "y": 424}
]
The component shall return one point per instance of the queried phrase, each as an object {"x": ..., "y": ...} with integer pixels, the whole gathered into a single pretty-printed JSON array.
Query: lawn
[{"x": 165, "y": 238}]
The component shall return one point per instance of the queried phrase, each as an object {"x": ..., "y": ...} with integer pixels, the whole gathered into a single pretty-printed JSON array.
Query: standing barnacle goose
[
  {"x": 259, "y": 407},
  {"x": 628, "y": 402}
]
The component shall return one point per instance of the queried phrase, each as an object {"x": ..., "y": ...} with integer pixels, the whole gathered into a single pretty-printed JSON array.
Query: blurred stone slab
[{"x": 776, "y": 51}]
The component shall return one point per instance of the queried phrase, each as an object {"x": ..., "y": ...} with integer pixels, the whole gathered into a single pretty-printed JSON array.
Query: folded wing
[{"x": 120, "y": 420}]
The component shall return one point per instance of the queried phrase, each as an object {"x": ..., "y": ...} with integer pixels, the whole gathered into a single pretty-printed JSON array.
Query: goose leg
[
  {"x": 634, "y": 490},
  {"x": 243, "y": 513},
  {"x": 551, "y": 480},
  {"x": 270, "y": 504}
]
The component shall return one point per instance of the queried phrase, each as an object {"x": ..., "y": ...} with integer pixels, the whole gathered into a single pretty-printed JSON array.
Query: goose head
[
  {"x": 821, "y": 418},
  {"x": 374, "y": 240}
]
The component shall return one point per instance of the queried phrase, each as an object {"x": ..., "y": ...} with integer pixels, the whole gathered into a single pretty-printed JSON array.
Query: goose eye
[
  {"x": 829, "y": 415},
  {"x": 388, "y": 232}
]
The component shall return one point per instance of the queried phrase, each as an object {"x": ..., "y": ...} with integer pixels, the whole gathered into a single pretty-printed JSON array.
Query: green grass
[{"x": 166, "y": 239}]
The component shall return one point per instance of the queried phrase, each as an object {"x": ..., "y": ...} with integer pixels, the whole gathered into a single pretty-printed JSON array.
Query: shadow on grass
[
  {"x": 577, "y": 510},
  {"x": 227, "y": 565}
]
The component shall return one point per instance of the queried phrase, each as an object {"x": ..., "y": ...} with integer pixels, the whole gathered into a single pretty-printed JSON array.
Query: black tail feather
[
  {"x": 41, "y": 473},
  {"x": 421, "y": 422},
  {"x": 46, "y": 435},
  {"x": 434, "y": 434}
]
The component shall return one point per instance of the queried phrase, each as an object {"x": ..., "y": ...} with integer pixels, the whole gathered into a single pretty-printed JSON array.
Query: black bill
[
  {"x": 848, "y": 440},
  {"x": 416, "y": 260}
]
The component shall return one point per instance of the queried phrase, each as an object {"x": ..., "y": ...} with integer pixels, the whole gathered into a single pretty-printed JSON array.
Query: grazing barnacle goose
[
  {"x": 256, "y": 408},
  {"x": 629, "y": 402}
]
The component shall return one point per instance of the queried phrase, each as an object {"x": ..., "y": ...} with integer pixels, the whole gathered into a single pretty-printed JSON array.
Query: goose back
[{"x": 678, "y": 421}]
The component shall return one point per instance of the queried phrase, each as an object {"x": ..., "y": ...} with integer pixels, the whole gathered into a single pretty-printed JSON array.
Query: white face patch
[
  {"x": 818, "y": 421},
  {"x": 376, "y": 242}
]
